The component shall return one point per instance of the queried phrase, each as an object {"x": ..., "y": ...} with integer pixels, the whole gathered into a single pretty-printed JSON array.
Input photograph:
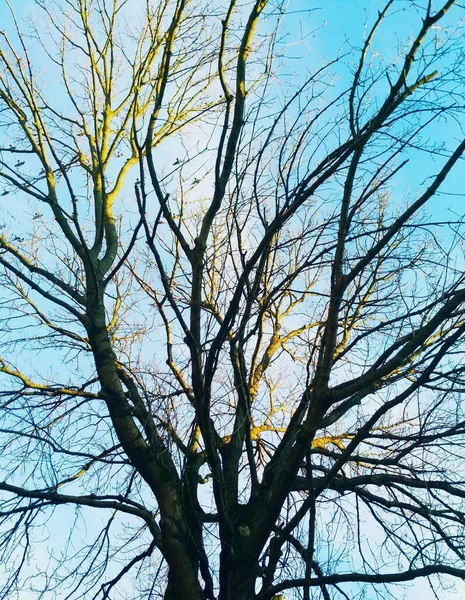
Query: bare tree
[{"x": 232, "y": 313}]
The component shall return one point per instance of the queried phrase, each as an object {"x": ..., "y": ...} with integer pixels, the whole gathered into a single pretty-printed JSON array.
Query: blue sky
[{"x": 340, "y": 24}]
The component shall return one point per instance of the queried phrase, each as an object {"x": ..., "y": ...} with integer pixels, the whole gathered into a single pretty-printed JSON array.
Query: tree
[{"x": 233, "y": 315}]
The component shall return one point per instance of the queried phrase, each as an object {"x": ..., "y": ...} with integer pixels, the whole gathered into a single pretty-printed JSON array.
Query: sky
[{"x": 335, "y": 21}]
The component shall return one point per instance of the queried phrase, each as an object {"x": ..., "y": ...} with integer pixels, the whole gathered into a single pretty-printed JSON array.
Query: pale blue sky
[{"x": 342, "y": 23}]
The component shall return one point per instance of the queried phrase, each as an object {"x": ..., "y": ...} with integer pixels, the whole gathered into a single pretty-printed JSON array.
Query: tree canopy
[{"x": 233, "y": 299}]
